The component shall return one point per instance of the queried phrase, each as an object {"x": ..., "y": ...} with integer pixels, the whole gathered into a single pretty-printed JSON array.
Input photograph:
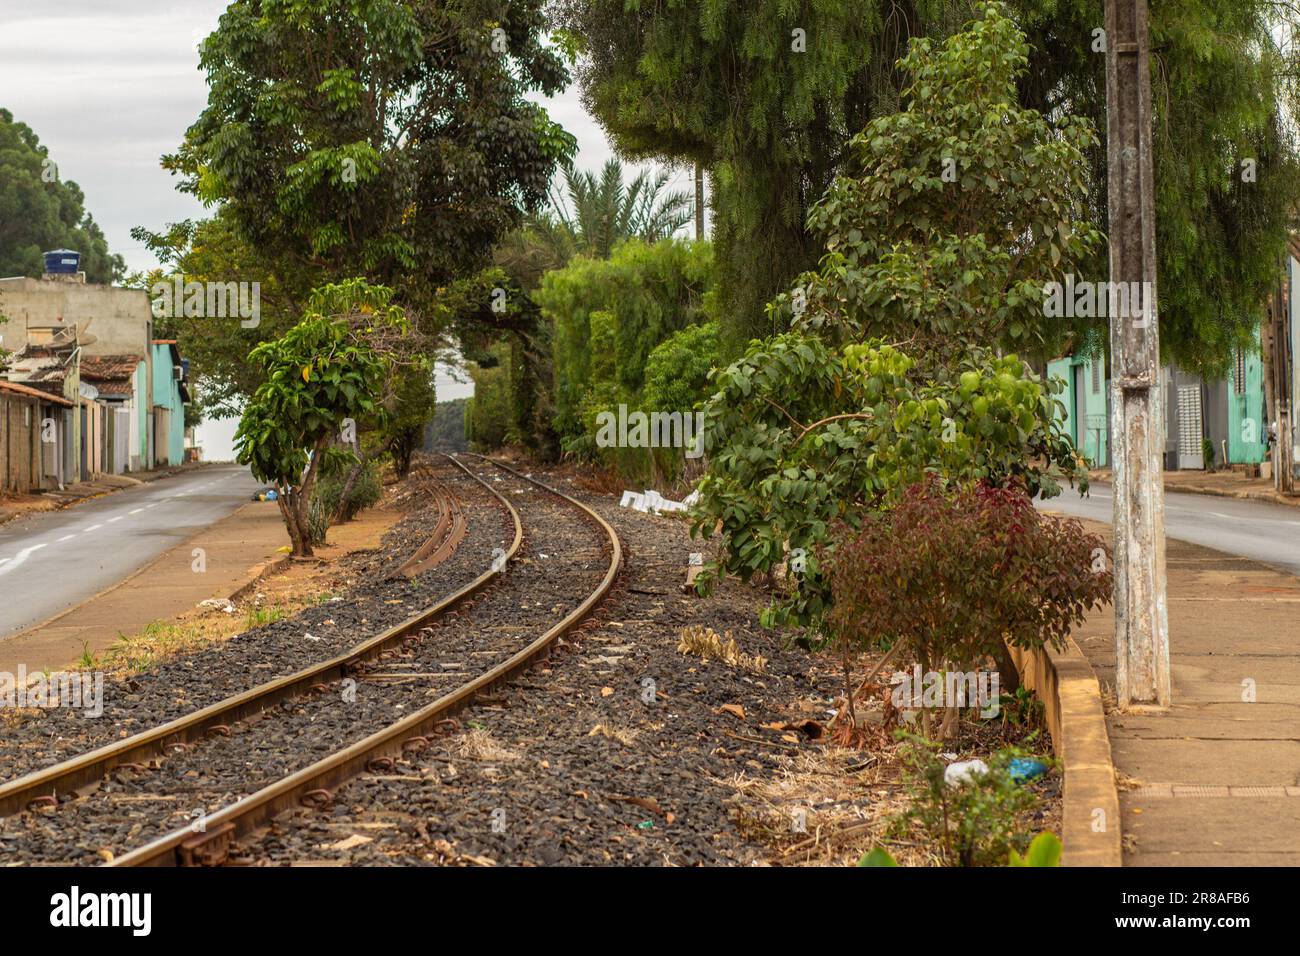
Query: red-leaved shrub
[{"x": 954, "y": 574}]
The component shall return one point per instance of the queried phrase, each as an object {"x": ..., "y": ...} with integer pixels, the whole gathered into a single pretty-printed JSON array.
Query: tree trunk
[{"x": 1008, "y": 675}]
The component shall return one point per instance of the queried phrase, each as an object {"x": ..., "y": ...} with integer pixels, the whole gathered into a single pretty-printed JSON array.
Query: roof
[
  {"x": 109, "y": 368},
  {"x": 34, "y": 393}
]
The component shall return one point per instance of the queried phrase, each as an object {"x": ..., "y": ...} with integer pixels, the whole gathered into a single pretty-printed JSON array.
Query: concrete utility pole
[{"x": 1141, "y": 612}]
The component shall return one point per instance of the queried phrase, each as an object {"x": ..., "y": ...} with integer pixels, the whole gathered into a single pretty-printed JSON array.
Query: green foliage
[
  {"x": 324, "y": 370},
  {"x": 972, "y": 823},
  {"x": 1045, "y": 850},
  {"x": 1221, "y": 87},
  {"x": 487, "y": 418},
  {"x": 393, "y": 139},
  {"x": 677, "y": 370},
  {"x": 213, "y": 250},
  {"x": 39, "y": 212},
  {"x": 600, "y": 212},
  {"x": 956, "y": 210},
  {"x": 801, "y": 435},
  {"x": 878, "y": 857},
  {"x": 366, "y": 492},
  {"x": 716, "y": 81},
  {"x": 609, "y": 315},
  {"x": 447, "y": 431},
  {"x": 1022, "y": 709},
  {"x": 958, "y": 574}
]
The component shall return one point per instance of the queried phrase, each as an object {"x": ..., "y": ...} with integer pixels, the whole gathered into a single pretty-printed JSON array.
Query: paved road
[
  {"x": 1260, "y": 530},
  {"x": 54, "y": 560}
]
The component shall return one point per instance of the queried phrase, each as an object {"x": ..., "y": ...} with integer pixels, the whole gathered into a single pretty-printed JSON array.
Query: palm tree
[{"x": 601, "y": 211}]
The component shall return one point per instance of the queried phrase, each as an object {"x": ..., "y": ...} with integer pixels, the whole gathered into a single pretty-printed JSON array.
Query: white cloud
[{"x": 109, "y": 86}]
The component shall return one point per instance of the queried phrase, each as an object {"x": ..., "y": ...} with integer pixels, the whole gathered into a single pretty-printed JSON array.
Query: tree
[
  {"x": 815, "y": 426},
  {"x": 608, "y": 315},
  {"x": 39, "y": 212},
  {"x": 953, "y": 213},
  {"x": 720, "y": 82},
  {"x": 388, "y": 137},
  {"x": 213, "y": 250},
  {"x": 329, "y": 368},
  {"x": 601, "y": 212},
  {"x": 763, "y": 93}
]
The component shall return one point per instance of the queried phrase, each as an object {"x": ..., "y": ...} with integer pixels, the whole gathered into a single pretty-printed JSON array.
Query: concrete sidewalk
[
  {"x": 1219, "y": 484},
  {"x": 1216, "y": 780},
  {"x": 235, "y": 551}
]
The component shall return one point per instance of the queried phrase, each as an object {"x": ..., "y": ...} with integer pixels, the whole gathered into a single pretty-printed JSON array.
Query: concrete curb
[
  {"x": 1066, "y": 684},
  {"x": 259, "y": 573}
]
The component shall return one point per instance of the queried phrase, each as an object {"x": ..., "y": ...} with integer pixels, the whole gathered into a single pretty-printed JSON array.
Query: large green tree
[
  {"x": 387, "y": 137},
  {"x": 40, "y": 212},
  {"x": 767, "y": 94}
]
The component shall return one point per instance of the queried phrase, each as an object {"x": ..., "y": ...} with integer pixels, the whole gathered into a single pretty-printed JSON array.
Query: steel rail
[
  {"x": 311, "y": 785},
  {"x": 90, "y": 767},
  {"x": 442, "y": 543}
]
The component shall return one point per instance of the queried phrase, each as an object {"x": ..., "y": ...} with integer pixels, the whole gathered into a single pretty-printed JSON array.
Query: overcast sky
[{"x": 109, "y": 86}]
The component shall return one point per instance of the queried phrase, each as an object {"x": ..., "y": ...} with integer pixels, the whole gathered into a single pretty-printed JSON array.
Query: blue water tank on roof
[{"x": 62, "y": 262}]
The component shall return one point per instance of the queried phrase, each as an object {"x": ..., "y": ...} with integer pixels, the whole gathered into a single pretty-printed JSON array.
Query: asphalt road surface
[
  {"x": 1260, "y": 530},
  {"x": 53, "y": 560}
]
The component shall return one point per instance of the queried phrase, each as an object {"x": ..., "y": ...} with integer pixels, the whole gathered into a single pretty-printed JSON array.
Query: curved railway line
[{"x": 289, "y": 741}]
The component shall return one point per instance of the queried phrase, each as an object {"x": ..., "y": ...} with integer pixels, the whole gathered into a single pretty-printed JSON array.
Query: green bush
[
  {"x": 972, "y": 823},
  {"x": 366, "y": 492},
  {"x": 609, "y": 315}
]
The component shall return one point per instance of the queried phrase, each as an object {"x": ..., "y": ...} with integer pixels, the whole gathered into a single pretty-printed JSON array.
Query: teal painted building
[
  {"x": 170, "y": 396},
  {"x": 1086, "y": 404},
  {"x": 1247, "y": 430}
]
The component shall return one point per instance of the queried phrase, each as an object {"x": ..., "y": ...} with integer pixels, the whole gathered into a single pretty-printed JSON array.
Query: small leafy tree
[
  {"x": 957, "y": 576},
  {"x": 330, "y": 367},
  {"x": 956, "y": 210},
  {"x": 802, "y": 435}
]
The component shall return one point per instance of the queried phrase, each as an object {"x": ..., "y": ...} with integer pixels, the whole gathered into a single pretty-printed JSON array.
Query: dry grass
[
  {"x": 826, "y": 807},
  {"x": 161, "y": 640},
  {"x": 479, "y": 744},
  {"x": 706, "y": 643},
  {"x": 623, "y": 736}
]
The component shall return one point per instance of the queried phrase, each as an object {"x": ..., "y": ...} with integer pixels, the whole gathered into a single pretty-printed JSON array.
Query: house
[
  {"x": 1087, "y": 403},
  {"x": 104, "y": 340},
  {"x": 117, "y": 380},
  {"x": 170, "y": 396},
  {"x": 33, "y": 435},
  {"x": 1227, "y": 418}
]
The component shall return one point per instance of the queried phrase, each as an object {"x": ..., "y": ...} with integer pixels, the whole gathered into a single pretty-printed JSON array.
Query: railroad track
[
  {"x": 446, "y": 536},
  {"x": 232, "y": 745}
]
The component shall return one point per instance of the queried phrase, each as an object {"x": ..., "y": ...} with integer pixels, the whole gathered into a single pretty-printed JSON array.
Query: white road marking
[
  {"x": 118, "y": 518},
  {"x": 19, "y": 558},
  {"x": 93, "y": 527},
  {"x": 135, "y": 512},
  {"x": 66, "y": 537}
]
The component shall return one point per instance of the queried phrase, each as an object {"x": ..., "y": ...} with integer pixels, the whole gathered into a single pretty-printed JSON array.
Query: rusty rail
[
  {"x": 444, "y": 540},
  {"x": 311, "y": 786},
  {"x": 85, "y": 769}
]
